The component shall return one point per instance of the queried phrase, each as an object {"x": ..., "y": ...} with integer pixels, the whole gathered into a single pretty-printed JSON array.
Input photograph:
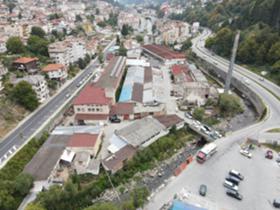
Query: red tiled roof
[
  {"x": 164, "y": 52},
  {"x": 169, "y": 120},
  {"x": 82, "y": 140},
  {"x": 122, "y": 108},
  {"x": 137, "y": 92},
  {"x": 91, "y": 117},
  {"x": 176, "y": 70},
  {"x": 53, "y": 67},
  {"x": 182, "y": 69},
  {"x": 25, "y": 60},
  {"x": 92, "y": 95}
]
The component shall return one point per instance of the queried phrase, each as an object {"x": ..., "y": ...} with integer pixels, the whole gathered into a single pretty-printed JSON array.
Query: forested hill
[{"x": 259, "y": 22}]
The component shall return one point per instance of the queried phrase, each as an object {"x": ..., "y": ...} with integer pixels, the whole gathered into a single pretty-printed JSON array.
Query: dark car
[
  {"x": 236, "y": 174},
  {"x": 276, "y": 203},
  {"x": 234, "y": 194},
  {"x": 114, "y": 119},
  {"x": 233, "y": 180},
  {"x": 203, "y": 190},
  {"x": 269, "y": 154}
]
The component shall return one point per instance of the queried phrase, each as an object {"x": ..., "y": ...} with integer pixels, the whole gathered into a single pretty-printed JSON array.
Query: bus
[{"x": 206, "y": 152}]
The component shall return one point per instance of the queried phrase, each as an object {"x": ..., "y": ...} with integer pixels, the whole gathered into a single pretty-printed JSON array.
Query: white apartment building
[
  {"x": 39, "y": 85},
  {"x": 67, "y": 51}
]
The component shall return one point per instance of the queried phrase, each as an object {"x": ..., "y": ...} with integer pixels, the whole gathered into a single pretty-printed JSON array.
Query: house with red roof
[
  {"x": 55, "y": 71},
  {"x": 85, "y": 142},
  {"x": 124, "y": 111},
  {"x": 26, "y": 64},
  {"x": 91, "y": 105}
]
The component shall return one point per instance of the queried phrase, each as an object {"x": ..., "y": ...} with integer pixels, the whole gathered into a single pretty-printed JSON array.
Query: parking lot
[{"x": 260, "y": 186}]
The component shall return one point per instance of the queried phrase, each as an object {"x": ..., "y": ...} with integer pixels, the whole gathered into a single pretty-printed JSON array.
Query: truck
[{"x": 206, "y": 152}]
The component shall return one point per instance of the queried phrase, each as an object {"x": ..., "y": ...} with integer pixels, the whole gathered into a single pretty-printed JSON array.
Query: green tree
[
  {"x": 186, "y": 45},
  {"x": 14, "y": 45},
  {"x": 125, "y": 30},
  {"x": 198, "y": 113},
  {"x": 229, "y": 104},
  {"x": 118, "y": 42},
  {"x": 139, "y": 196},
  {"x": 38, "y": 31},
  {"x": 7, "y": 201},
  {"x": 23, "y": 183},
  {"x": 139, "y": 38},
  {"x": 274, "y": 52},
  {"x": 78, "y": 18},
  {"x": 24, "y": 95},
  {"x": 37, "y": 45},
  {"x": 81, "y": 63},
  {"x": 101, "y": 57},
  {"x": 122, "y": 50}
]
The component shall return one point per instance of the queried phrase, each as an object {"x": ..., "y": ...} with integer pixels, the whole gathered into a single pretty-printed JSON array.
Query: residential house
[
  {"x": 56, "y": 71},
  {"x": 26, "y": 64}
]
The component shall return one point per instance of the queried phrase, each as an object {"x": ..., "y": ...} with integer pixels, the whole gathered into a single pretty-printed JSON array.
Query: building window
[
  {"x": 97, "y": 109},
  {"x": 78, "y": 109}
]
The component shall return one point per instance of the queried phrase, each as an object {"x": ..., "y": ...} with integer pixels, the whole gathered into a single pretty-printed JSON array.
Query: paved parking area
[{"x": 260, "y": 186}]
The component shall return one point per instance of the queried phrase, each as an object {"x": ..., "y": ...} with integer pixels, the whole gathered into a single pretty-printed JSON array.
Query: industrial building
[
  {"x": 164, "y": 54},
  {"x": 190, "y": 84}
]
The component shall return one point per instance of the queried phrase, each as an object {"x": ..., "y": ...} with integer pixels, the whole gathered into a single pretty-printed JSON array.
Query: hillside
[{"x": 259, "y": 22}]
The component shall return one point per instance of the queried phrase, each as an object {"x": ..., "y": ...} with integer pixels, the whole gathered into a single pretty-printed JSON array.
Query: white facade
[
  {"x": 59, "y": 74},
  {"x": 66, "y": 52}
]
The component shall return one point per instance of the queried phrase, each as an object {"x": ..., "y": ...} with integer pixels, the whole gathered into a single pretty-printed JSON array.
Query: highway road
[
  {"x": 22, "y": 133},
  {"x": 262, "y": 191}
]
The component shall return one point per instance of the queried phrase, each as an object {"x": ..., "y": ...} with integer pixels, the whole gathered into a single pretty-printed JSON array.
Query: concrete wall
[{"x": 235, "y": 83}]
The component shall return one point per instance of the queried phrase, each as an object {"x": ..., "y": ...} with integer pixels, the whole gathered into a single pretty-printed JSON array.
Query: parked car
[
  {"x": 269, "y": 154},
  {"x": 67, "y": 95},
  {"x": 234, "y": 194},
  {"x": 188, "y": 115},
  {"x": 261, "y": 79},
  {"x": 236, "y": 174},
  {"x": 230, "y": 185},
  {"x": 276, "y": 203},
  {"x": 232, "y": 179},
  {"x": 114, "y": 119},
  {"x": 278, "y": 159},
  {"x": 246, "y": 153},
  {"x": 203, "y": 190}
]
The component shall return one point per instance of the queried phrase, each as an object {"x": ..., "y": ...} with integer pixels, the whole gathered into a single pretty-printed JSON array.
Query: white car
[{"x": 246, "y": 153}]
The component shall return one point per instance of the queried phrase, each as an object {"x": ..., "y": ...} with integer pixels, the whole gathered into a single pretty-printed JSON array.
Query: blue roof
[
  {"x": 126, "y": 93},
  {"x": 178, "y": 205}
]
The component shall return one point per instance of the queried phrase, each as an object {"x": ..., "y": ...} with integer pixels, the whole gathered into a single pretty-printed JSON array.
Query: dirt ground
[{"x": 10, "y": 116}]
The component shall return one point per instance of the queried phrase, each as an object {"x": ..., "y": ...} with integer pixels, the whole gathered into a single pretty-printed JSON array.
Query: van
[
  {"x": 236, "y": 174},
  {"x": 233, "y": 180},
  {"x": 230, "y": 185}
]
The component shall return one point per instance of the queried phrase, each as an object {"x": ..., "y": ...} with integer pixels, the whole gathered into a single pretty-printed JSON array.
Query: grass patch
[
  {"x": 273, "y": 147},
  {"x": 274, "y": 130}
]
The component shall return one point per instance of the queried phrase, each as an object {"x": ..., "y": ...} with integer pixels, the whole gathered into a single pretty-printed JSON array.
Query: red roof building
[
  {"x": 163, "y": 53},
  {"x": 84, "y": 142},
  {"x": 53, "y": 67},
  {"x": 92, "y": 95},
  {"x": 181, "y": 73},
  {"x": 26, "y": 64},
  {"x": 91, "y": 105}
]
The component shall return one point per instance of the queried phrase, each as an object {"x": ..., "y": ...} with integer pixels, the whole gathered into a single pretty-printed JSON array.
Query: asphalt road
[
  {"x": 263, "y": 186},
  {"x": 23, "y": 132}
]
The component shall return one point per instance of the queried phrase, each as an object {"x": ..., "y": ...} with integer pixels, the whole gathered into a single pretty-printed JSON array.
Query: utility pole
[{"x": 232, "y": 60}]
